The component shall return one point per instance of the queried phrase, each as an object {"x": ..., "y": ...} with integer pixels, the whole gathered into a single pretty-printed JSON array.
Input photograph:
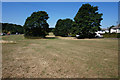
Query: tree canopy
[
  {"x": 12, "y": 28},
  {"x": 87, "y": 21},
  {"x": 36, "y": 25},
  {"x": 63, "y": 27},
  {"x": 111, "y": 27}
]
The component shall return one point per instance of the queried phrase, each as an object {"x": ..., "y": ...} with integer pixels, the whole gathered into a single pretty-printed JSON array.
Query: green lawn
[{"x": 59, "y": 58}]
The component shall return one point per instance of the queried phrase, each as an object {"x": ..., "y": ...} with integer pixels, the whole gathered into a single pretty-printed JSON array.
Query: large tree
[
  {"x": 36, "y": 25},
  {"x": 87, "y": 21},
  {"x": 63, "y": 27}
]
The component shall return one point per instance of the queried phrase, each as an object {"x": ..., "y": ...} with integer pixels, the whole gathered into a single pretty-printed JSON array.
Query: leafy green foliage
[
  {"x": 111, "y": 27},
  {"x": 51, "y": 29},
  {"x": 12, "y": 28},
  {"x": 111, "y": 35},
  {"x": 63, "y": 27},
  {"x": 87, "y": 21},
  {"x": 36, "y": 25}
]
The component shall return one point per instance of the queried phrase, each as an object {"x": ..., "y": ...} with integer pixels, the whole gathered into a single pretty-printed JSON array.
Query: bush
[{"x": 111, "y": 35}]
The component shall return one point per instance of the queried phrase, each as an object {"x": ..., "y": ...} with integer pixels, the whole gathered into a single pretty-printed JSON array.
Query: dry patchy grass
[{"x": 59, "y": 58}]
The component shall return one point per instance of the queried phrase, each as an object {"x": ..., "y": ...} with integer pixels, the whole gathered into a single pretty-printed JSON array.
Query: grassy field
[{"x": 59, "y": 58}]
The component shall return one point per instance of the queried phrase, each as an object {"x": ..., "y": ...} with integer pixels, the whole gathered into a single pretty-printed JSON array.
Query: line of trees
[
  {"x": 12, "y": 28},
  {"x": 85, "y": 24}
]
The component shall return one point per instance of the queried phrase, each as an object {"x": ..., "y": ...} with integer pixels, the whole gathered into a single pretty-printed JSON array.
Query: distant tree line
[
  {"x": 51, "y": 29},
  {"x": 12, "y": 28}
]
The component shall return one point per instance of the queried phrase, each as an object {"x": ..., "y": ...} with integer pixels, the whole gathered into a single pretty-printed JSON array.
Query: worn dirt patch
[
  {"x": 2, "y": 41},
  {"x": 67, "y": 38}
]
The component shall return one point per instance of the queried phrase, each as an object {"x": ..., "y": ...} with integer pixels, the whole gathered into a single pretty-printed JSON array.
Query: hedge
[{"x": 111, "y": 35}]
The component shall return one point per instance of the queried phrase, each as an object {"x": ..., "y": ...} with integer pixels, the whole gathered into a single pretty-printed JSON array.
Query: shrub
[{"x": 111, "y": 35}]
